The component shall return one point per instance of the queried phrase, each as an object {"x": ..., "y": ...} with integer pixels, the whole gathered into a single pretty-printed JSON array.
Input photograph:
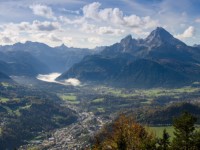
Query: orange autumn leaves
[{"x": 124, "y": 134}]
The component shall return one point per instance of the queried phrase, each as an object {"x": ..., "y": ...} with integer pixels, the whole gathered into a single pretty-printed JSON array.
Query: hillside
[
  {"x": 21, "y": 63},
  {"x": 98, "y": 68},
  {"x": 151, "y": 74},
  {"x": 154, "y": 116},
  {"x": 26, "y": 113},
  {"x": 4, "y": 77}
]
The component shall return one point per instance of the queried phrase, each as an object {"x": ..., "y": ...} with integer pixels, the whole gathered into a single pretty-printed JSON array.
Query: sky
[{"x": 87, "y": 23}]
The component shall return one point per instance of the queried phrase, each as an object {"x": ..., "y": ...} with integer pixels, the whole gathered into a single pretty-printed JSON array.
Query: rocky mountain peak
[
  {"x": 160, "y": 36},
  {"x": 128, "y": 39}
]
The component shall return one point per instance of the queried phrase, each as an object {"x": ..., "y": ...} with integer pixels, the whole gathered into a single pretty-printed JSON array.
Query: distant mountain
[
  {"x": 21, "y": 63},
  {"x": 158, "y": 60},
  {"x": 56, "y": 59},
  {"x": 196, "y": 45},
  {"x": 4, "y": 77}
]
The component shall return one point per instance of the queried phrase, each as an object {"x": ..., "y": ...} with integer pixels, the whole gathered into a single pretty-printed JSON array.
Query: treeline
[
  {"x": 163, "y": 115},
  {"x": 125, "y": 134}
]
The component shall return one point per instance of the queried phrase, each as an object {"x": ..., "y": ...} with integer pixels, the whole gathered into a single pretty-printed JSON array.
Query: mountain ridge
[
  {"x": 42, "y": 58},
  {"x": 153, "y": 59}
]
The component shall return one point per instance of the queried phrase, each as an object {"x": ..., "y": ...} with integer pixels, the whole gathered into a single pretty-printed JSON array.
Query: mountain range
[
  {"x": 33, "y": 58},
  {"x": 159, "y": 60}
]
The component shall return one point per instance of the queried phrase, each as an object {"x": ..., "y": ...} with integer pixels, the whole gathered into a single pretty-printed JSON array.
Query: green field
[
  {"x": 158, "y": 131},
  {"x": 69, "y": 97},
  {"x": 3, "y": 100},
  {"x": 5, "y": 84},
  {"x": 98, "y": 100},
  {"x": 148, "y": 94},
  {"x": 100, "y": 109}
]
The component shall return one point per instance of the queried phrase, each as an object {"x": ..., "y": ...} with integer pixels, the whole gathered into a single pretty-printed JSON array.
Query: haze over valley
[{"x": 52, "y": 78}]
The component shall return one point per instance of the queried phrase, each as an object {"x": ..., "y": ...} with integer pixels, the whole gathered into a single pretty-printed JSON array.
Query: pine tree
[
  {"x": 184, "y": 132},
  {"x": 196, "y": 140},
  {"x": 164, "y": 142}
]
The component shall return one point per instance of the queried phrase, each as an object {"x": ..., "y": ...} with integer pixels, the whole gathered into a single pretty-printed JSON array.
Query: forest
[{"x": 126, "y": 134}]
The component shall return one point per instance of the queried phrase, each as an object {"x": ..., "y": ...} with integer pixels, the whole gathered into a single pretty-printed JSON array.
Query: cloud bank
[
  {"x": 48, "y": 77},
  {"x": 52, "y": 76},
  {"x": 73, "y": 81},
  {"x": 88, "y": 24},
  {"x": 43, "y": 11}
]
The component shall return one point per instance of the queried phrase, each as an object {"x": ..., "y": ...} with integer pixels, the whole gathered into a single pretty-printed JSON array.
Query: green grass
[
  {"x": 5, "y": 84},
  {"x": 3, "y": 100},
  {"x": 68, "y": 97},
  {"x": 25, "y": 107},
  {"x": 148, "y": 94},
  {"x": 16, "y": 99},
  {"x": 74, "y": 102},
  {"x": 33, "y": 148},
  {"x": 17, "y": 112},
  {"x": 159, "y": 131},
  {"x": 98, "y": 100},
  {"x": 100, "y": 109}
]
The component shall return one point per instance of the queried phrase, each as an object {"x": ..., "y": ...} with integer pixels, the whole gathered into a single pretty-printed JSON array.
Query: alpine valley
[{"x": 55, "y": 98}]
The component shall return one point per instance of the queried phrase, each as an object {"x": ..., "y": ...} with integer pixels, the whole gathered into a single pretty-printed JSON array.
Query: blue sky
[{"x": 87, "y": 23}]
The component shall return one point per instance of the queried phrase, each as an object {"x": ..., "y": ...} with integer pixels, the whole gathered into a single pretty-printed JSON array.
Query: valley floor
[{"x": 94, "y": 107}]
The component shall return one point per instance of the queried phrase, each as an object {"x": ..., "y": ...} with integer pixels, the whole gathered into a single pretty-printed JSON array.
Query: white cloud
[
  {"x": 110, "y": 30},
  {"x": 52, "y": 78},
  {"x": 8, "y": 35},
  {"x": 139, "y": 31},
  {"x": 6, "y": 39},
  {"x": 45, "y": 26},
  {"x": 73, "y": 81},
  {"x": 43, "y": 11},
  {"x": 36, "y": 31},
  {"x": 88, "y": 28},
  {"x": 54, "y": 38},
  {"x": 48, "y": 77},
  {"x": 77, "y": 12},
  {"x": 116, "y": 17},
  {"x": 91, "y": 10},
  {"x": 94, "y": 40},
  {"x": 67, "y": 40},
  {"x": 91, "y": 28},
  {"x": 189, "y": 32},
  {"x": 92, "y": 25},
  {"x": 76, "y": 21},
  {"x": 30, "y": 27}
]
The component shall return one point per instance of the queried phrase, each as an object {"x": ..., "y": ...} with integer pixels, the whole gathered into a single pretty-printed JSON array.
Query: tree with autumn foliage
[{"x": 124, "y": 134}]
